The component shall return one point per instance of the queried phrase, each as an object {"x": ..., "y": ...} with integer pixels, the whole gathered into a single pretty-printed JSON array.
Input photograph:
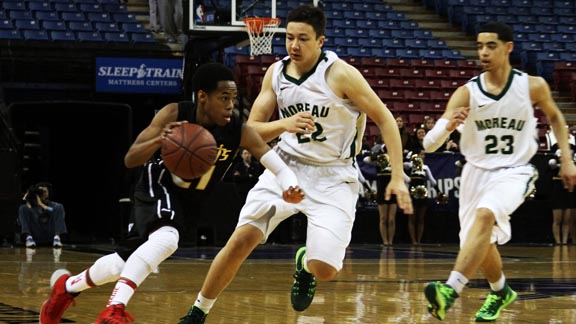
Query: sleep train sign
[{"x": 138, "y": 75}]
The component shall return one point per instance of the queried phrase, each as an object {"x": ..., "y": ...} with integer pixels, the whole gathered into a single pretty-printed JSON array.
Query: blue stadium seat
[
  {"x": 73, "y": 16},
  {"x": 47, "y": 15},
  {"x": 57, "y": 35},
  {"x": 91, "y": 7},
  {"x": 14, "y": 5},
  {"x": 86, "y": 36},
  {"x": 99, "y": 17},
  {"x": 430, "y": 53},
  {"x": 367, "y": 24},
  {"x": 393, "y": 43},
  {"x": 117, "y": 7},
  {"x": 10, "y": 34},
  {"x": 436, "y": 43},
  {"x": 402, "y": 33},
  {"x": 142, "y": 38},
  {"x": 66, "y": 7},
  {"x": 452, "y": 54},
  {"x": 81, "y": 26},
  {"x": 362, "y": 6},
  {"x": 423, "y": 34},
  {"x": 375, "y": 15},
  {"x": 569, "y": 56},
  {"x": 383, "y": 52},
  {"x": 116, "y": 37},
  {"x": 415, "y": 43},
  {"x": 26, "y": 24},
  {"x": 53, "y": 25},
  {"x": 20, "y": 14},
  {"x": 106, "y": 27},
  {"x": 40, "y": 6},
  {"x": 407, "y": 53},
  {"x": 124, "y": 17},
  {"x": 359, "y": 51},
  {"x": 379, "y": 33},
  {"x": 133, "y": 27},
  {"x": 35, "y": 35},
  {"x": 354, "y": 14},
  {"x": 566, "y": 28},
  {"x": 369, "y": 42},
  {"x": 545, "y": 64},
  {"x": 6, "y": 24},
  {"x": 388, "y": 24}
]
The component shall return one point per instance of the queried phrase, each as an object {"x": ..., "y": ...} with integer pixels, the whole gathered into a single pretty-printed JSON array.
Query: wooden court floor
[{"x": 377, "y": 285}]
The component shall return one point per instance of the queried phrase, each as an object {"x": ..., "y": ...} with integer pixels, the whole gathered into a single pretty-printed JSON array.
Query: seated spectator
[
  {"x": 405, "y": 135},
  {"x": 245, "y": 173},
  {"x": 40, "y": 217}
]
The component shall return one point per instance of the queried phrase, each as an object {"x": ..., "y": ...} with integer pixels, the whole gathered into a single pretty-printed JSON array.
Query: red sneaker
[
  {"x": 114, "y": 314},
  {"x": 53, "y": 308}
]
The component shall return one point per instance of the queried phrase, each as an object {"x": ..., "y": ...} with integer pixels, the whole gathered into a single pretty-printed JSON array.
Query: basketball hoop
[{"x": 260, "y": 31}]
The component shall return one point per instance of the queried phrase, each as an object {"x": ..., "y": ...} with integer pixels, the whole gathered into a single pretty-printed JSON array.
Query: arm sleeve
[
  {"x": 437, "y": 136},
  {"x": 285, "y": 177}
]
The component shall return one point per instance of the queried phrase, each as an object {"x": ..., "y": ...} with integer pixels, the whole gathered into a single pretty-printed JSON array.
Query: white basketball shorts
[
  {"x": 502, "y": 191},
  {"x": 330, "y": 199}
]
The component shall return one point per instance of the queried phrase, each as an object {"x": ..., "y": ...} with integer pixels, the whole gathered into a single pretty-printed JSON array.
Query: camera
[{"x": 32, "y": 195}]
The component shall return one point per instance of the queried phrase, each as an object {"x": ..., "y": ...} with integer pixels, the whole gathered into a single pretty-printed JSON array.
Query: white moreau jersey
[
  {"x": 339, "y": 123},
  {"x": 500, "y": 131}
]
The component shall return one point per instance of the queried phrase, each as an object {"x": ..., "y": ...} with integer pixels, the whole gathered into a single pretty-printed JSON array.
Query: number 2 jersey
[
  {"x": 500, "y": 130},
  {"x": 339, "y": 123}
]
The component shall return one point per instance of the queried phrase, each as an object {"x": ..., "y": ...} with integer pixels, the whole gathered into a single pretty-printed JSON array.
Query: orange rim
[{"x": 255, "y": 25}]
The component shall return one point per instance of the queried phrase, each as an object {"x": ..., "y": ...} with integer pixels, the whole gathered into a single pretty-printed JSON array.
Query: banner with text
[
  {"x": 138, "y": 75},
  {"x": 444, "y": 167}
]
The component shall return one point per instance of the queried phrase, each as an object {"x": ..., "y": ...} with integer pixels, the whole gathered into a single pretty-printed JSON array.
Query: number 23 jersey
[{"x": 500, "y": 130}]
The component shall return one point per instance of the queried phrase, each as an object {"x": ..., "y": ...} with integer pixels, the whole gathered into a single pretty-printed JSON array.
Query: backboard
[{"x": 225, "y": 16}]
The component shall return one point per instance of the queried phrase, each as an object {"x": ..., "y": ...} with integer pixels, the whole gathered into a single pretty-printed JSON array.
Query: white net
[{"x": 260, "y": 31}]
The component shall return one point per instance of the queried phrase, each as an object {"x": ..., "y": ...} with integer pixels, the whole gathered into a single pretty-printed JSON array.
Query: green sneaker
[
  {"x": 495, "y": 302},
  {"x": 195, "y": 316},
  {"x": 441, "y": 298},
  {"x": 304, "y": 284}
]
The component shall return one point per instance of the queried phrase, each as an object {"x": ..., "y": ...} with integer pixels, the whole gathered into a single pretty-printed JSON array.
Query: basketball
[{"x": 189, "y": 151}]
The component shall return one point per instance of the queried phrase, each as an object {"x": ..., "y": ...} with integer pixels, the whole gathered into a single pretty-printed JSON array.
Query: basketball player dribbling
[
  {"x": 498, "y": 141},
  {"x": 322, "y": 103},
  {"x": 162, "y": 200}
]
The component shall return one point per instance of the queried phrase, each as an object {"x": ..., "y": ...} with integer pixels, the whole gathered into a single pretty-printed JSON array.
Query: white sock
[
  {"x": 122, "y": 292},
  {"x": 457, "y": 281},
  {"x": 498, "y": 285},
  {"x": 305, "y": 264},
  {"x": 78, "y": 283},
  {"x": 204, "y": 303}
]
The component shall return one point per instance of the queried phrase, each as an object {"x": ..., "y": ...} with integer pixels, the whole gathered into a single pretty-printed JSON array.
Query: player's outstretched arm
[
  {"x": 288, "y": 181},
  {"x": 455, "y": 114},
  {"x": 150, "y": 139}
]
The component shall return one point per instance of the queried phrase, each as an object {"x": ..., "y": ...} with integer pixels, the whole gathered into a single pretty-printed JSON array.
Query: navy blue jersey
[
  {"x": 156, "y": 178},
  {"x": 160, "y": 199}
]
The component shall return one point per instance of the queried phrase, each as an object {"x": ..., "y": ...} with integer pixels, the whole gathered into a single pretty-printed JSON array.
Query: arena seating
[{"x": 75, "y": 21}]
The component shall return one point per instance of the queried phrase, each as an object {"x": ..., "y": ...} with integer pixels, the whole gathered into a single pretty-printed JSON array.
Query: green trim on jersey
[
  {"x": 503, "y": 92},
  {"x": 305, "y": 76}
]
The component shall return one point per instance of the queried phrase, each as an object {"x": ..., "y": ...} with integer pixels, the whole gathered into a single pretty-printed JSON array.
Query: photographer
[{"x": 40, "y": 217}]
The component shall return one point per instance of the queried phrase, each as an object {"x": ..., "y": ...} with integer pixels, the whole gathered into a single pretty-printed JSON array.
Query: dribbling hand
[{"x": 293, "y": 195}]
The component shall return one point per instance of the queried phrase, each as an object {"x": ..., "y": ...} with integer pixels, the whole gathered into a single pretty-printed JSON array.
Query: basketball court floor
[{"x": 377, "y": 285}]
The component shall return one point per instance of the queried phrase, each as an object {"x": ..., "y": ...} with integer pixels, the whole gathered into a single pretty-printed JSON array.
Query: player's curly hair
[{"x": 208, "y": 75}]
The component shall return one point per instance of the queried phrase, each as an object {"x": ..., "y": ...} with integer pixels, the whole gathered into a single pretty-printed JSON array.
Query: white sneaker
[
  {"x": 30, "y": 242},
  {"x": 57, "y": 242}
]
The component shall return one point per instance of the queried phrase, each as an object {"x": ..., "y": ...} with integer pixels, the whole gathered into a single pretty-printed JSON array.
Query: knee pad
[
  {"x": 106, "y": 269},
  {"x": 160, "y": 245}
]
